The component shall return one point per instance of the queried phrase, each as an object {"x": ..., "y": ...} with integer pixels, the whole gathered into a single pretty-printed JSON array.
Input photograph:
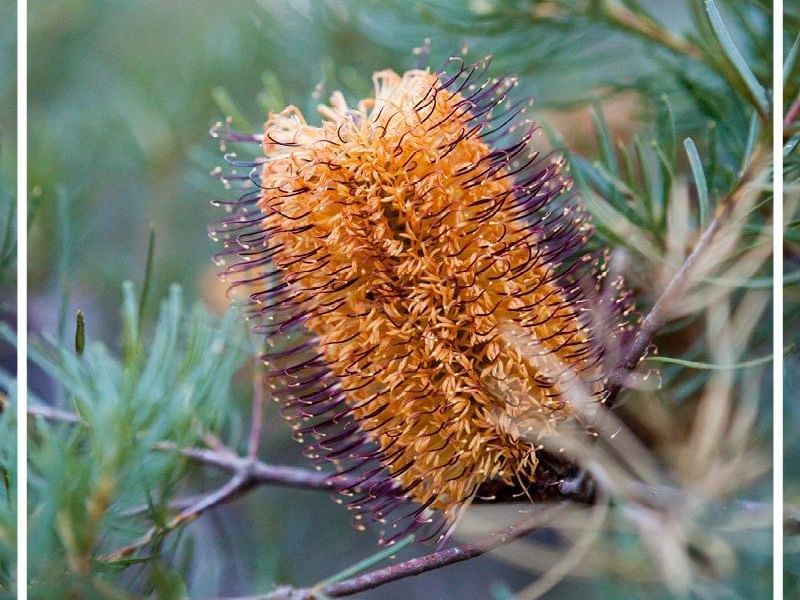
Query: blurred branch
[
  {"x": 258, "y": 411},
  {"x": 793, "y": 114},
  {"x": 643, "y": 26},
  {"x": 617, "y": 16},
  {"x": 49, "y": 413},
  {"x": 682, "y": 279},
  {"x": 237, "y": 485},
  {"x": 414, "y": 566}
]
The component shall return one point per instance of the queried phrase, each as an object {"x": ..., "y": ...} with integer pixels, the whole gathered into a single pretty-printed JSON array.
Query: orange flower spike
[{"x": 428, "y": 281}]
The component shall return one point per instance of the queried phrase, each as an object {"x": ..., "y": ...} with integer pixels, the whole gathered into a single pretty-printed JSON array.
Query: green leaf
[
  {"x": 613, "y": 191},
  {"x": 130, "y": 325},
  {"x": 649, "y": 188},
  {"x": 148, "y": 270},
  {"x": 752, "y": 136},
  {"x": 80, "y": 335},
  {"x": 667, "y": 174},
  {"x": 758, "y": 283},
  {"x": 735, "y": 57},
  {"x": 666, "y": 127},
  {"x": 790, "y": 63},
  {"x": 691, "y": 364},
  {"x": 609, "y": 159},
  {"x": 366, "y": 563},
  {"x": 226, "y": 104},
  {"x": 271, "y": 99},
  {"x": 699, "y": 179}
]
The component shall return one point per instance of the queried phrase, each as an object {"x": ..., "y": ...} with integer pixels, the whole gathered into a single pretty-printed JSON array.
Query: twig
[
  {"x": 575, "y": 488},
  {"x": 414, "y": 566},
  {"x": 176, "y": 504},
  {"x": 258, "y": 411},
  {"x": 677, "y": 285},
  {"x": 248, "y": 473},
  {"x": 793, "y": 113},
  {"x": 658, "y": 315},
  {"x": 646, "y": 28},
  {"x": 237, "y": 484},
  {"x": 263, "y": 473},
  {"x": 49, "y": 413}
]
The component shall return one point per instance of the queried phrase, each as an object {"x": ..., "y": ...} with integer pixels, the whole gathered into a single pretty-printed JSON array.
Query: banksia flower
[{"x": 422, "y": 280}]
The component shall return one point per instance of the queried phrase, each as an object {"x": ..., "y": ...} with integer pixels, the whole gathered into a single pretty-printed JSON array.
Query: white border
[{"x": 22, "y": 299}]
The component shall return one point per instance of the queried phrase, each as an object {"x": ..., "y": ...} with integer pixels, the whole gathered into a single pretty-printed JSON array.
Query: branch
[
  {"x": 793, "y": 113},
  {"x": 237, "y": 485},
  {"x": 247, "y": 473},
  {"x": 258, "y": 472},
  {"x": 414, "y": 566},
  {"x": 49, "y": 413},
  {"x": 678, "y": 284},
  {"x": 642, "y": 26},
  {"x": 258, "y": 411}
]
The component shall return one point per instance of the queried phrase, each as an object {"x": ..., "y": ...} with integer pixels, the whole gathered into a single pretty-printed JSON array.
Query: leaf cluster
[{"x": 86, "y": 476}]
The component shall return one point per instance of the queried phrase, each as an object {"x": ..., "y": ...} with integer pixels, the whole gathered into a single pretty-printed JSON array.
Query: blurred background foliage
[
  {"x": 8, "y": 162},
  {"x": 122, "y": 96},
  {"x": 791, "y": 372}
]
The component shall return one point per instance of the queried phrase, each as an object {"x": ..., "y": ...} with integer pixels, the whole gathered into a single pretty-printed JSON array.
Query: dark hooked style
[{"x": 422, "y": 279}]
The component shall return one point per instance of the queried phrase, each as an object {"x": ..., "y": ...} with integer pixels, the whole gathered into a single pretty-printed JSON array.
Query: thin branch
[
  {"x": 49, "y": 413},
  {"x": 248, "y": 473},
  {"x": 258, "y": 411},
  {"x": 793, "y": 113},
  {"x": 677, "y": 285},
  {"x": 176, "y": 504},
  {"x": 658, "y": 315},
  {"x": 646, "y": 28},
  {"x": 577, "y": 488},
  {"x": 237, "y": 484},
  {"x": 259, "y": 472},
  {"x": 414, "y": 566}
]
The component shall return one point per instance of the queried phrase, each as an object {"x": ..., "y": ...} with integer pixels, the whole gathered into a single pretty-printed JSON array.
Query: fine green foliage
[
  {"x": 8, "y": 492},
  {"x": 85, "y": 476},
  {"x": 8, "y": 263},
  {"x": 8, "y": 153},
  {"x": 8, "y": 242}
]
